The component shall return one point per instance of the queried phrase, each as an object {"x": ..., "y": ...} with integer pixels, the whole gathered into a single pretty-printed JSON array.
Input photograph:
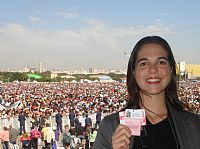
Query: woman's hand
[{"x": 120, "y": 138}]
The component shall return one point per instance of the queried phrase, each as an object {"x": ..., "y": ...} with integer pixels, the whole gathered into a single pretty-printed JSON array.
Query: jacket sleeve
[
  {"x": 187, "y": 128},
  {"x": 106, "y": 129}
]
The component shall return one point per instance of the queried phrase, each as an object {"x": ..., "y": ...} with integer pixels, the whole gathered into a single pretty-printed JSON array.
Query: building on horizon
[{"x": 192, "y": 70}]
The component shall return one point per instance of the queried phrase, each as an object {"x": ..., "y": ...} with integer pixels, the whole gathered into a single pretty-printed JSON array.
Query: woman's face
[{"x": 152, "y": 69}]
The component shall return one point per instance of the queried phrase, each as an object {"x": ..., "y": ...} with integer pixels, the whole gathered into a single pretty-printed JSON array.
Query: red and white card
[{"x": 134, "y": 119}]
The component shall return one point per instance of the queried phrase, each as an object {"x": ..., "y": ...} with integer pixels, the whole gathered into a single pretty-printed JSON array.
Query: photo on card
[{"x": 128, "y": 113}]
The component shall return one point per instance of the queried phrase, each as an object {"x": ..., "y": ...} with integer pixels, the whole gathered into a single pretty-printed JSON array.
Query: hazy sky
[{"x": 70, "y": 34}]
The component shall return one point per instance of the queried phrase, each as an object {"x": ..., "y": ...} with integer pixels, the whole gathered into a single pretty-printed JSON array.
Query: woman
[
  {"x": 35, "y": 136},
  {"x": 152, "y": 86},
  {"x": 26, "y": 141},
  {"x": 66, "y": 139},
  {"x": 4, "y": 137}
]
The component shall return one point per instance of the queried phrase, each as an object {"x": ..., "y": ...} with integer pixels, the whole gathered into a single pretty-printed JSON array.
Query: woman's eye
[
  {"x": 143, "y": 64},
  {"x": 162, "y": 62}
]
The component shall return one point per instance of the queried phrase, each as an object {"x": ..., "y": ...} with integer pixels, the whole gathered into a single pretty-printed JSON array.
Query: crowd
[
  {"x": 70, "y": 102},
  {"x": 189, "y": 94}
]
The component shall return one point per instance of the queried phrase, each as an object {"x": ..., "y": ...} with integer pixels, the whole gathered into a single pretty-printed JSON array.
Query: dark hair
[
  {"x": 133, "y": 88},
  {"x": 66, "y": 126},
  {"x": 5, "y": 128}
]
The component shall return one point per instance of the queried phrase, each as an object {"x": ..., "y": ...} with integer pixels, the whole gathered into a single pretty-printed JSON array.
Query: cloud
[
  {"x": 97, "y": 34},
  {"x": 95, "y": 30},
  {"x": 164, "y": 14},
  {"x": 94, "y": 22},
  {"x": 97, "y": 40},
  {"x": 158, "y": 20},
  {"x": 34, "y": 19},
  {"x": 69, "y": 14}
]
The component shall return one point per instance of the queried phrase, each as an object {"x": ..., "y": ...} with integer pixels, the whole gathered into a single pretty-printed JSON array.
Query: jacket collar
[{"x": 177, "y": 125}]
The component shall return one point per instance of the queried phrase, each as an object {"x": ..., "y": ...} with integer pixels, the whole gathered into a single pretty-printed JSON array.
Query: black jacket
[{"x": 187, "y": 128}]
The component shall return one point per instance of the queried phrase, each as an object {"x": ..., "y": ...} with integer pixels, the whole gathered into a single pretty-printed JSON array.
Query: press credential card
[
  {"x": 134, "y": 119},
  {"x": 136, "y": 113},
  {"x": 122, "y": 117},
  {"x": 140, "y": 113},
  {"x": 134, "y": 125}
]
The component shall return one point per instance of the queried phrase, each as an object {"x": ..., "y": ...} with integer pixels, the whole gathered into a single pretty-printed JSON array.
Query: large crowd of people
[
  {"x": 71, "y": 102},
  {"x": 189, "y": 94}
]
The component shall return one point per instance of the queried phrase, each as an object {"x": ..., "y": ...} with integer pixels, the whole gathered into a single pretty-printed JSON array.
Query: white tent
[
  {"x": 73, "y": 81},
  {"x": 87, "y": 80},
  {"x": 105, "y": 78}
]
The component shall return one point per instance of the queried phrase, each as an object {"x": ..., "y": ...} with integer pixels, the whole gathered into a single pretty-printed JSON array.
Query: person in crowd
[
  {"x": 56, "y": 132},
  {"x": 152, "y": 86},
  {"x": 92, "y": 137},
  {"x": 35, "y": 135},
  {"x": 48, "y": 135},
  {"x": 72, "y": 132},
  {"x": 83, "y": 144},
  {"x": 87, "y": 133},
  {"x": 80, "y": 131},
  {"x": 77, "y": 121},
  {"x": 4, "y": 137},
  {"x": 72, "y": 116},
  {"x": 59, "y": 120},
  {"x": 22, "y": 119},
  {"x": 77, "y": 141},
  {"x": 56, "y": 141},
  {"x": 88, "y": 121},
  {"x": 98, "y": 117},
  {"x": 34, "y": 105},
  {"x": 34, "y": 120},
  {"x": 13, "y": 135},
  {"x": 42, "y": 121},
  {"x": 26, "y": 141},
  {"x": 66, "y": 138}
]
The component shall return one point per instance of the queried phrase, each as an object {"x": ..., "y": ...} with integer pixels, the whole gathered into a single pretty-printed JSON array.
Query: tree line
[{"x": 46, "y": 77}]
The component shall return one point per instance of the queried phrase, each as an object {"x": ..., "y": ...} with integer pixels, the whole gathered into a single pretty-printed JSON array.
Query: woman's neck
[{"x": 155, "y": 107}]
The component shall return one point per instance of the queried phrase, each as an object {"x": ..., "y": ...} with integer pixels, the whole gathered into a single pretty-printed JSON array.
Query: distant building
[
  {"x": 41, "y": 69},
  {"x": 29, "y": 69},
  {"x": 61, "y": 75},
  {"x": 90, "y": 70},
  {"x": 54, "y": 75},
  {"x": 192, "y": 70}
]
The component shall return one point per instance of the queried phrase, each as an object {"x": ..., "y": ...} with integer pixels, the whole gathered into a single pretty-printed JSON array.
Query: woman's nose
[{"x": 153, "y": 68}]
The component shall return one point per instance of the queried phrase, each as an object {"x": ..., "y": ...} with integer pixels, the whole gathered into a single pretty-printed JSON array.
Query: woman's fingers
[
  {"x": 122, "y": 130},
  {"x": 120, "y": 138},
  {"x": 121, "y": 145}
]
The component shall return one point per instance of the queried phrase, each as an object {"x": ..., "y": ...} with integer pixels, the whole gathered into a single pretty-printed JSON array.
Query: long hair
[{"x": 132, "y": 86}]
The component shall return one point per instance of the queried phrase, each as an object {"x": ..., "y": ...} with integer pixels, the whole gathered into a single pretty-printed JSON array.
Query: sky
[{"x": 74, "y": 34}]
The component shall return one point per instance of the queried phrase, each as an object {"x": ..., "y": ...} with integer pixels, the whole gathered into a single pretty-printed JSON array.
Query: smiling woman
[
  {"x": 152, "y": 87},
  {"x": 152, "y": 70}
]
